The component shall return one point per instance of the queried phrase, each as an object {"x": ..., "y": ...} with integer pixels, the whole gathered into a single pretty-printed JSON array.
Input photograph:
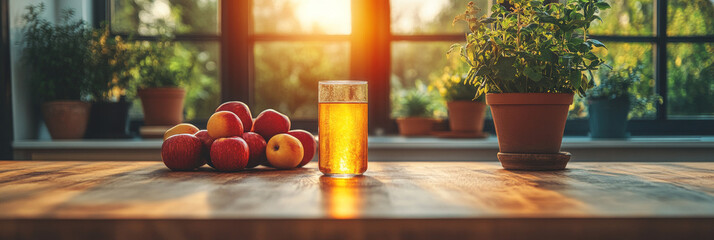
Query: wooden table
[{"x": 395, "y": 200}]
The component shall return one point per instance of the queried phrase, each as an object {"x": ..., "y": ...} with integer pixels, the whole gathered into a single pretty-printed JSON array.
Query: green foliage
[
  {"x": 155, "y": 68},
  {"x": 55, "y": 55},
  {"x": 287, "y": 75},
  {"x": 531, "y": 48},
  {"x": 417, "y": 102},
  {"x": 109, "y": 68},
  {"x": 618, "y": 84},
  {"x": 453, "y": 87}
]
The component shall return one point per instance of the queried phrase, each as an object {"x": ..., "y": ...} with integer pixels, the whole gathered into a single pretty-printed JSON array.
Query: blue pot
[{"x": 608, "y": 117}]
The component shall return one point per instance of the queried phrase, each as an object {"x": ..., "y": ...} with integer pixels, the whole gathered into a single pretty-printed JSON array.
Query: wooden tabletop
[{"x": 394, "y": 200}]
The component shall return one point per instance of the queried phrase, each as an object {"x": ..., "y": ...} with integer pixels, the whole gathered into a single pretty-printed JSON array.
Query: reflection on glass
[
  {"x": 287, "y": 73},
  {"x": 146, "y": 17},
  {"x": 690, "y": 80},
  {"x": 203, "y": 90},
  {"x": 629, "y": 17},
  {"x": 302, "y": 16},
  {"x": 429, "y": 16},
  {"x": 690, "y": 17}
]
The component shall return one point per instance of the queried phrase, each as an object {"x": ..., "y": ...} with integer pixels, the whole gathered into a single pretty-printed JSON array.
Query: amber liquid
[{"x": 343, "y": 138}]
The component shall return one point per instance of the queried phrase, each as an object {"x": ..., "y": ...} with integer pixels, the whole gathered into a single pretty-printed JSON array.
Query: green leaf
[
  {"x": 575, "y": 77},
  {"x": 602, "y": 5},
  {"x": 454, "y": 47},
  {"x": 530, "y": 27},
  {"x": 533, "y": 74},
  {"x": 505, "y": 69},
  {"x": 596, "y": 43}
]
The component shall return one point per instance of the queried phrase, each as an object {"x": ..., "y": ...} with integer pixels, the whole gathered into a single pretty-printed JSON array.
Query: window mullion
[
  {"x": 370, "y": 58},
  {"x": 660, "y": 56}
]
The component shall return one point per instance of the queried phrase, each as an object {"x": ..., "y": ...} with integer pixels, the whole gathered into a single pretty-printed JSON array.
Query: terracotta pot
[
  {"x": 529, "y": 122},
  {"x": 415, "y": 126},
  {"x": 466, "y": 116},
  {"x": 162, "y": 106},
  {"x": 66, "y": 119}
]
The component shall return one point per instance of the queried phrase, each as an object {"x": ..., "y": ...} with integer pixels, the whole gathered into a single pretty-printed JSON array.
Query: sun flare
[{"x": 329, "y": 16}]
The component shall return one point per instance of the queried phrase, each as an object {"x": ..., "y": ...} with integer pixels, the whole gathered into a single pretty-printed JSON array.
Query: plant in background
[
  {"x": 109, "y": 65},
  {"x": 617, "y": 84},
  {"x": 417, "y": 102},
  {"x": 532, "y": 47},
  {"x": 452, "y": 85},
  {"x": 56, "y": 55},
  {"x": 154, "y": 67}
]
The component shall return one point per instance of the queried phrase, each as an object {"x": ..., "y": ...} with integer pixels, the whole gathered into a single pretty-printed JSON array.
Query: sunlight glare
[{"x": 330, "y": 16}]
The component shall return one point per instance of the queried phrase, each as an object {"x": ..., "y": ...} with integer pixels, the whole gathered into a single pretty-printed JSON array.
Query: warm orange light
[
  {"x": 341, "y": 196},
  {"x": 331, "y": 16}
]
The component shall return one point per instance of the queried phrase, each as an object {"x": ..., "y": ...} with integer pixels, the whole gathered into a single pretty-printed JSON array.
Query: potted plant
[
  {"x": 109, "y": 75},
  {"x": 529, "y": 59},
  {"x": 415, "y": 110},
  {"x": 158, "y": 80},
  {"x": 610, "y": 102},
  {"x": 55, "y": 56},
  {"x": 466, "y": 112}
]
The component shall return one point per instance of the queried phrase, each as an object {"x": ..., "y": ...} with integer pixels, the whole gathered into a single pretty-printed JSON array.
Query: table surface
[{"x": 640, "y": 194}]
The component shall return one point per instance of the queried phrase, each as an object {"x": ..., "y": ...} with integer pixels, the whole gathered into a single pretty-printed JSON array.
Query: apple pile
[{"x": 233, "y": 141}]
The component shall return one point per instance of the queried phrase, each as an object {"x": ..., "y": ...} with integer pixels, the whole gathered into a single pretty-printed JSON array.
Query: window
[
  {"x": 296, "y": 44},
  {"x": 273, "y": 52},
  {"x": 195, "y": 25}
]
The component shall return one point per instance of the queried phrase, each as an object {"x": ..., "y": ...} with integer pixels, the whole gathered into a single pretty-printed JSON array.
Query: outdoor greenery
[
  {"x": 688, "y": 64},
  {"x": 532, "y": 47},
  {"x": 616, "y": 83},
  {"x": 154, "y": 68},
  {"x": 56, "y": 55},
  {"x": 619, "y": 83},
  {"x": 416, "y": 102},
  {"x": 452, "y": 85},
  {"x": 168, "y": 18},
  {"x": 109, "y": 65}
]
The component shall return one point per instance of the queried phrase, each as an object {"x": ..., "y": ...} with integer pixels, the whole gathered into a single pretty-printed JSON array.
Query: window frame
[{"x": 371, "y": 29}]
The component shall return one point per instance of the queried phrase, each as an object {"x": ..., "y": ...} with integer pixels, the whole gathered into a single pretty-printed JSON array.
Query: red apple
[
  {"x": 229, "y": 154},
  {"x": 182, "y": 152},
  {"x": 207, "y": 141},
  {"x": 256, "y": 145},
  {"x": 241, "y": 110},
  {"x": 271, "y": 122},
  {"x": 284, "y": 151},
  {"x": 224, "y": 124},
  {"x": 308, "y": 145}
]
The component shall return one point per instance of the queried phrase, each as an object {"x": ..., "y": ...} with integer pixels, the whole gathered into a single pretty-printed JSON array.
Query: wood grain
[{"x": 394, "y": 200}]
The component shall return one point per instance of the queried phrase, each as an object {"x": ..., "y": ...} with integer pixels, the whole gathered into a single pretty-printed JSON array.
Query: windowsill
[
  {"x": 396, "y": 148},
  {"x": 390, "y": 142}
]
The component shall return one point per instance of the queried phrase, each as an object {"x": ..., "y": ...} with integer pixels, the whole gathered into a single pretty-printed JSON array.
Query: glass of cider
[{"x": 342, "y": 119}]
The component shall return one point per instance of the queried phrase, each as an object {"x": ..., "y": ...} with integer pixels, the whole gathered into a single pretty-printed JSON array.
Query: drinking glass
[{"x": 342, "y": 119}]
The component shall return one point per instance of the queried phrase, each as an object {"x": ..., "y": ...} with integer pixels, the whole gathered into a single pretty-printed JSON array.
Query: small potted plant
[
  {"x": 466, "y": 112},
  {"x": 109, "y": 75},
  {"x": 415, "y": 109},
  {"x": 610, "y": 102},
  {"x": 158, "y": 83},
  {"x": 529, "y": 59},
  {"x": 55, "y": 56}
]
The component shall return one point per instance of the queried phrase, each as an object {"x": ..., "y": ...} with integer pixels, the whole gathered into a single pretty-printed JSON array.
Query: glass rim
[{"x": 343, "y": 82}]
